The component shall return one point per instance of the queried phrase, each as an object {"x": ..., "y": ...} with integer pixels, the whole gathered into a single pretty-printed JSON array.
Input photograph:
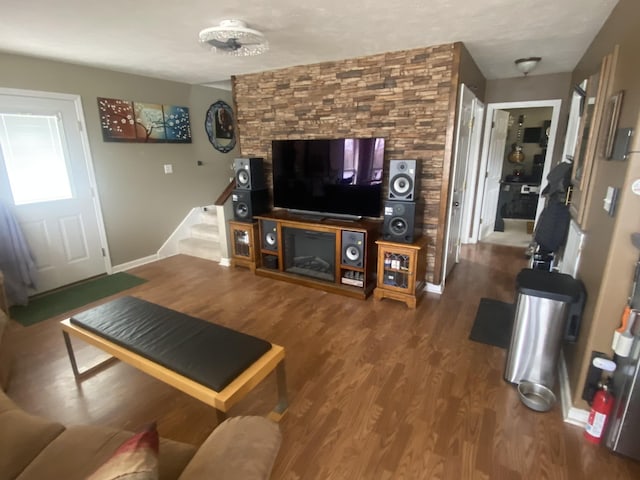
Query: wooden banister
[{"x": 224, "y": 196}]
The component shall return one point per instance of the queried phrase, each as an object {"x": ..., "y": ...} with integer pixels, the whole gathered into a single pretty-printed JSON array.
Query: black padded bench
[{"x": 216, "y": 364}]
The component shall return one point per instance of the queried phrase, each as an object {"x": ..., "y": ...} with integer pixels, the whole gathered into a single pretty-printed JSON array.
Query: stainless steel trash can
[{"x": 548, "y": 310}]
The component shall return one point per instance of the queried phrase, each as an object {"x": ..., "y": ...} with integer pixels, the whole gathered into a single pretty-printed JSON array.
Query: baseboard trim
[
  {"x": 570, "y": 414},
  {"x": 433, "y": 288},
  {"x": 135, "y": 263},
  {"x": 225, "y": 262}
]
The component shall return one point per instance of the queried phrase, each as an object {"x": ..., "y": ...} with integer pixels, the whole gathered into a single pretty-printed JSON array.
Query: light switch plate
[{"x": 168, "y": 168}]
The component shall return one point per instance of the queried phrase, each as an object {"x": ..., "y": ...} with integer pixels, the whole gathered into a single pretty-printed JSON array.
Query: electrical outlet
[{"x": 168, "y": 168}]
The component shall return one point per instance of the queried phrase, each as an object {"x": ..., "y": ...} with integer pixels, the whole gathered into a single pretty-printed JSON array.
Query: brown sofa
[{"x": 35, "y": 448}]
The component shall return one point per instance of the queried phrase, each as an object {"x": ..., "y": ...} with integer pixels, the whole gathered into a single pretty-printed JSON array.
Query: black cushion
[{"x": 209, "y": 354}]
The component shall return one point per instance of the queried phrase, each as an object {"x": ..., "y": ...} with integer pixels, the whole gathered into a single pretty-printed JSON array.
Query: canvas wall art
[{"x": 127, "y": 121}]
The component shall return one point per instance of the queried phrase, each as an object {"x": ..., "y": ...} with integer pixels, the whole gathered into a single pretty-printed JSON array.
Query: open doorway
[{"x": 517, "y": 154}]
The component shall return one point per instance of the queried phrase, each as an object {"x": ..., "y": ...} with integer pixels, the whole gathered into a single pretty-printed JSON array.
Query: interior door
[
  {"x": 44, "y": 164},
  {"x": 463, "y": 141},
  {"x": 471, "y": 182},
  {"x": 493, "y": 176}
]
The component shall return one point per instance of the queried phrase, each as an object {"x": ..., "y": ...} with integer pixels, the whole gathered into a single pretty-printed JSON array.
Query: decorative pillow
[{"x": 135, "y": 459}]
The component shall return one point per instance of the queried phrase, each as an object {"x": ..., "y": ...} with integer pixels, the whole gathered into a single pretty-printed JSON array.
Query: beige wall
[
  {"x": 532, "y": 87},
  {"x": 608, "y": 256},
  {"x": 140, "y": 204}
]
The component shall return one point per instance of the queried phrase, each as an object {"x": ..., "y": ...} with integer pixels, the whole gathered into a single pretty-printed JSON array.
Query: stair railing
[
  {"x": 224, "y": 210},
  {"x": 226, "y": 193}
]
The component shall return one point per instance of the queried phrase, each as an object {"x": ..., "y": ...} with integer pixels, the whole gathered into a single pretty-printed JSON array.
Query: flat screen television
[{"x": 332, "y": 177}]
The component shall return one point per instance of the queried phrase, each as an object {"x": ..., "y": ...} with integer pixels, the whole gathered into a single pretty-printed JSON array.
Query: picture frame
[
  {"x": 614, "y": 105},
  {"x": 219, "y": 124},
  {"x": 142, "y": 122}
]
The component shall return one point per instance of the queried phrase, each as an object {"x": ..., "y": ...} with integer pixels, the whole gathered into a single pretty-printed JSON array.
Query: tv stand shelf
[{"x": 333, "y": 255}]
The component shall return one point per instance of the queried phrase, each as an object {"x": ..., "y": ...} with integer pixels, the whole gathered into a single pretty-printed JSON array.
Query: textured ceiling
[{"x": 160, "y": 39}]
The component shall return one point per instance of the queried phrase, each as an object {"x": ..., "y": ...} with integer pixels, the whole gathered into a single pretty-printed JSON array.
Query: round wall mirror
[{"x": 219, "y": 124}]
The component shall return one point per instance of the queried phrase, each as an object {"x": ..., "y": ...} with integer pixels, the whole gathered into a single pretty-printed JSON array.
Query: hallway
[{"x": 515, "y": 234}]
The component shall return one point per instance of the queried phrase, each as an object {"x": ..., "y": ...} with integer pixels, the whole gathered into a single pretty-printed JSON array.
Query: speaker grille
[
  {"x": 243, "y": 179},
  {"x": 352, "y": 253},
  {"x": 402, "y": 185},
  {"x": 398, "y": 226},
  {"x": 242, "y": 210}
]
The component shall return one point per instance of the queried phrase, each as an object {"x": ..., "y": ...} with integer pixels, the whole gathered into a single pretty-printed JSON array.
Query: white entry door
[
  {"x": 45, "y": 175},
  {"x": 493, "y": 176},
  {"x": 458, "y": 186}
]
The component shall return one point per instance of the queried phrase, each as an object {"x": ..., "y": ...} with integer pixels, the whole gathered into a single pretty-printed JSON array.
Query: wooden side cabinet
[
  {"x": 401, "y": 271},
  {"x": 244, "y": 242}
]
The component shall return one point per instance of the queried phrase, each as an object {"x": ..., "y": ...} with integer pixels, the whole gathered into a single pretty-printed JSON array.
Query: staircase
[
  {"x": 203, "y": 231},
  {"x": 204, "y": 237}
]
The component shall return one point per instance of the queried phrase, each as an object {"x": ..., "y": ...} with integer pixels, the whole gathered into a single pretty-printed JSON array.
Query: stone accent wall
[{"x": 404, "y": 97}]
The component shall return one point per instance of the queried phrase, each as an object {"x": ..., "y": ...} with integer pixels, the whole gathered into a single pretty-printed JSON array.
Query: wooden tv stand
[{"x": 346, "y": 252}]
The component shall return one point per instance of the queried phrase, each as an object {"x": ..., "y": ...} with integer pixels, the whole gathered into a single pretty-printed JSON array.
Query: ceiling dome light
[
  {"x": 232, "y": 37},
  {"x": 525, "y": 65}
]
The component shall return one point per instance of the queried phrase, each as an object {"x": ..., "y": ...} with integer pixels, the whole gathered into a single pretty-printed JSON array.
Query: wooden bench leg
[
  {"x": 221, "y": 416},
  {"x": 283, "y": 400},
  {"x": 74, "y": 365}
]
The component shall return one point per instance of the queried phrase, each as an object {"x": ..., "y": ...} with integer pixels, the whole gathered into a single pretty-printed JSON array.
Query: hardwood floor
[{"x": 376, "y": 390}]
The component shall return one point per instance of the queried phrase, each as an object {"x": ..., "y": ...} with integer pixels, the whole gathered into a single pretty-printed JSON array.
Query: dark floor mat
[
  {"x": 493, "y": 323},
  {"x": 68, "y": 298}
]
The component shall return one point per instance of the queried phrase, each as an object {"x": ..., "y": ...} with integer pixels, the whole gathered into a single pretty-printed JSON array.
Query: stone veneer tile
[{"x": 402, "y": 96}]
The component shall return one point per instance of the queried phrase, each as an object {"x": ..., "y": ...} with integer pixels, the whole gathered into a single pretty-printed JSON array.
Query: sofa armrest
[{"x": 240, "y": 448}]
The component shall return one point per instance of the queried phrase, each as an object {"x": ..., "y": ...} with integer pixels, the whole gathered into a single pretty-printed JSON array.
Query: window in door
[{"x": 35, "y": 158}]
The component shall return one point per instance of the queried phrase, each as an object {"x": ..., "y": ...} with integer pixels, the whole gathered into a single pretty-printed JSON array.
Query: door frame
[
  {"x": 555, "y": 104},
  {"x": 473, "y": 150},
  {"x": 86, "y": 150}
]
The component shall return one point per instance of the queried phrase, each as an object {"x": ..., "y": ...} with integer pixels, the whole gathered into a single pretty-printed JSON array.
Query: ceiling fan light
[
  {"x": 525, "y": 65},
  {"x": 252, "y": 42},
  {"x": 244, "y": 51}
]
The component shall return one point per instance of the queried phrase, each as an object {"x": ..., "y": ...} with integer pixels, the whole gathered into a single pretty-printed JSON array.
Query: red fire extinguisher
[{"x": 600, "y": 413}]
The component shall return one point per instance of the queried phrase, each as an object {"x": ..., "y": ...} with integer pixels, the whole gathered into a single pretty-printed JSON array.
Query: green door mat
[{"x": 51, "y": 304}]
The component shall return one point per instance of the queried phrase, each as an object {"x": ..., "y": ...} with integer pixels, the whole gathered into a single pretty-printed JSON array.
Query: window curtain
[{"x": 16, "y": 261}]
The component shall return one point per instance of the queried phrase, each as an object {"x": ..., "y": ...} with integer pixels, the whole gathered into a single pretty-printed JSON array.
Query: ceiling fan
[{"x": 232, "y": 37}]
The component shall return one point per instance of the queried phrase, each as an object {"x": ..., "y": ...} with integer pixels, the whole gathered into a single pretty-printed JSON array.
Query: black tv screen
[{"x": 329, "y": 177}]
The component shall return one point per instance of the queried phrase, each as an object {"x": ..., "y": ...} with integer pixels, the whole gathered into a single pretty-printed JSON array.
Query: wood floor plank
[{"x": 376, "y": 390}]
